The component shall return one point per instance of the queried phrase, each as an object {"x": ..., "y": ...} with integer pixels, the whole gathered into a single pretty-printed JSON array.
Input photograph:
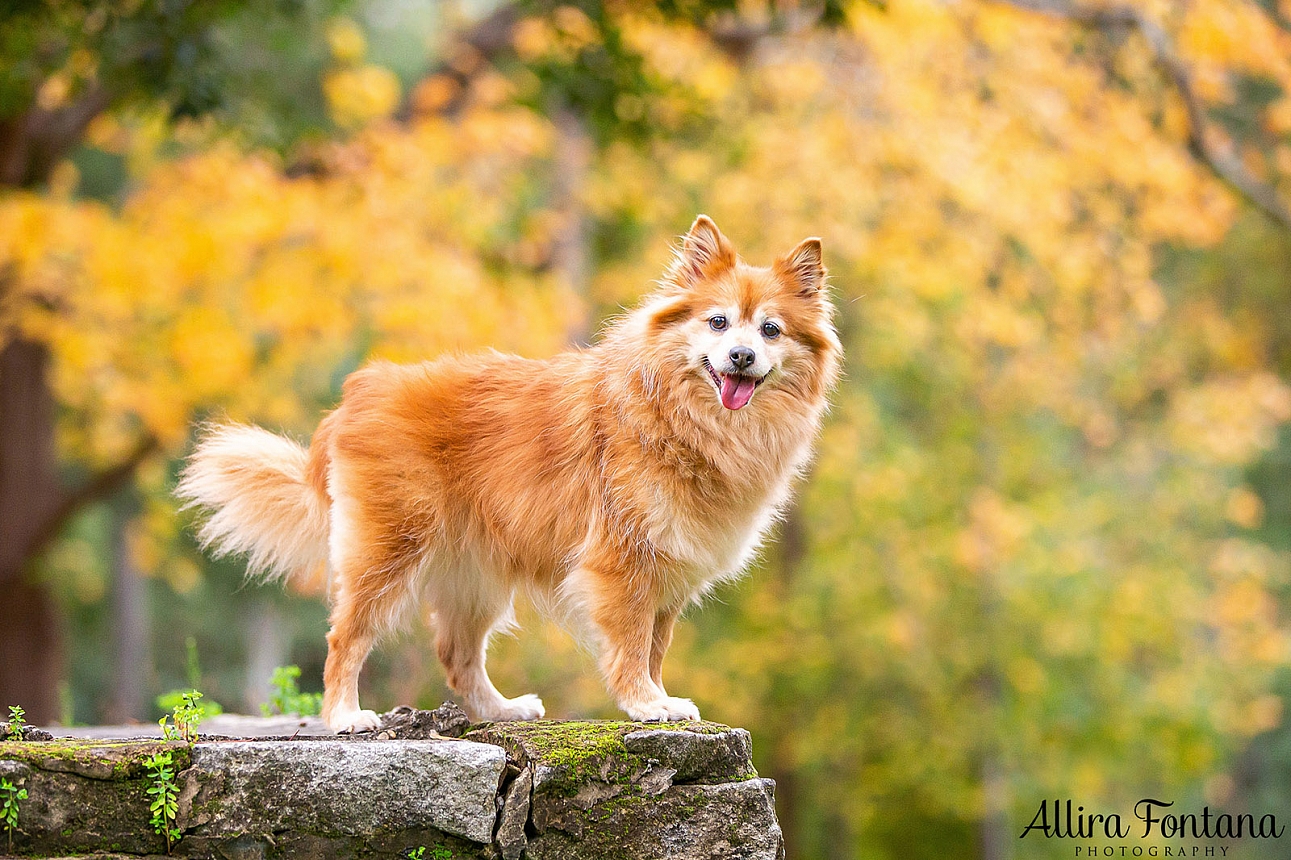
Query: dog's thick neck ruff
[{"x": 674, "y": 414}]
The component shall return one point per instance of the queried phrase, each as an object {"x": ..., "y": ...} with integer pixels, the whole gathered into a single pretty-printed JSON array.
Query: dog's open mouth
[{"x": 734, "y": 389}]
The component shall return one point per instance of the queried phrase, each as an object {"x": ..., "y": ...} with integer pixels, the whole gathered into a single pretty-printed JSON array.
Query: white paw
[
  {"x": 526, "y": 707},
  {"x": 666, "y": 709},
  {"x": 350, "y": 722}
]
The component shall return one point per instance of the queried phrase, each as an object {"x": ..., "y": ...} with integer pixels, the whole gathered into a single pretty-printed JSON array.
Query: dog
[{"x": 619, "y": 482}]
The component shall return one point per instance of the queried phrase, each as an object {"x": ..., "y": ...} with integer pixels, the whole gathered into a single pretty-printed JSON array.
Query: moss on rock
[
  {"x": 95, "y": 759},
  {"x": 566, "y": 755}
]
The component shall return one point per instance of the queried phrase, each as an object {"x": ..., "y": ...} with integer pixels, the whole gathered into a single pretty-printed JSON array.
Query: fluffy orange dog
[{"x": 620, "y": 482}]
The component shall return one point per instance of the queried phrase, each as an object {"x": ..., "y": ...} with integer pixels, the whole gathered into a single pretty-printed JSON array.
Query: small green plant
[
  {"x": 164, "y": 792},
  {"x": 287, "y": 698},
  {"x": 439, "y": 852},
  {"x": 10, "y": 797},
  {"x": 175, "y": 699},
  {"x": 17, "y": 721},
  {"x": 187, "y": 715}
]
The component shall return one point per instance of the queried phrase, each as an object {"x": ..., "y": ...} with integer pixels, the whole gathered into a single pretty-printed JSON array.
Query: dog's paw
[
  {"x": 352, "y": 722},
  {"x": 526, "y": 707},
  {"x": 666, "y": 709}
]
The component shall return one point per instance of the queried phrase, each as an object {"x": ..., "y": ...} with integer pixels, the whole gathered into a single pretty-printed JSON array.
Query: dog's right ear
[{"x": 705, "y": 252}]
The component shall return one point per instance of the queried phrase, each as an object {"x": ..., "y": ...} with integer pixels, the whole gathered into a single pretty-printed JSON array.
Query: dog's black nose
[{"x": 742, "y": 357}]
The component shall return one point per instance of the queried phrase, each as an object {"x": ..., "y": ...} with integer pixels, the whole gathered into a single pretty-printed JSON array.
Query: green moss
[
  {"x": 573, "y": 744},
  {"x": 579, "y": 751},
  {"x": 702, "y": 727},
  {"x": 105, "y": 759},
  {"x": 557, "y": 743}
]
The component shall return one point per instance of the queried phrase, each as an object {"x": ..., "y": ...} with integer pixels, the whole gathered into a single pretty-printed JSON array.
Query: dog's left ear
[{"x": 802, "y": 267}]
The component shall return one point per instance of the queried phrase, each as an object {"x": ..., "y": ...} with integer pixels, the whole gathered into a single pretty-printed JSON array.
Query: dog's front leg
[
  {"x": 634, "y": 632},
  {"x": 664, "y": 621}
]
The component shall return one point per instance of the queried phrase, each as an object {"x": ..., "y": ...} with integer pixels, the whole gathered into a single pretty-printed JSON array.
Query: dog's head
[{"x": 745, "y": 334}]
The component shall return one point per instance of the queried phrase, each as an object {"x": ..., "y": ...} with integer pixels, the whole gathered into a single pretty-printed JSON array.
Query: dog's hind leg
[
  {"x": 371, "y": 575},
  {"x": 354, "y": 628},
  {"x": 465, "y": 618},
  {"x": 366, "y": 604}
]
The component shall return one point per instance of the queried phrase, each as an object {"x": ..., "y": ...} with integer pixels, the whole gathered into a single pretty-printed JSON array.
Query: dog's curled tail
[{"x": 262, "y": 497}]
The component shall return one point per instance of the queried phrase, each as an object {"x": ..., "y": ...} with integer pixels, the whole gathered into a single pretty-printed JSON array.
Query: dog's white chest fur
[{"x": 714, "y": 546}]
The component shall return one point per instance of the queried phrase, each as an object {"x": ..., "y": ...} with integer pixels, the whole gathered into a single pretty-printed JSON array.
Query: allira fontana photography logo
[{"x": 1171, "y": 832}]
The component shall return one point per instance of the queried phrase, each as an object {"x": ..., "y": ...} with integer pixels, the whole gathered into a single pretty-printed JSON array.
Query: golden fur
[{"x": 620, "y": 481}]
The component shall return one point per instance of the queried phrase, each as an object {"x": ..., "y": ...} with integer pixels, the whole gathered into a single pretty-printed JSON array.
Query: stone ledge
[
  {"x": 547, "y": 789},
  {"x": 326, "y": 787}
]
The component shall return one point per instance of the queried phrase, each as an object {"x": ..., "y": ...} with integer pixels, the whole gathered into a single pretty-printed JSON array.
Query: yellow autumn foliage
[
  {"x": 223, "y": 284},
  {"x": 359, "y": 95}
]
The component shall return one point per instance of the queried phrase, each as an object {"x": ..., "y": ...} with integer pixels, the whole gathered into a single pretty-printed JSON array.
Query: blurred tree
[
  {"x": 62, "y": 65},
  {"x": 1226, "y": 65},
  {"x": 1242, "y": 130}
]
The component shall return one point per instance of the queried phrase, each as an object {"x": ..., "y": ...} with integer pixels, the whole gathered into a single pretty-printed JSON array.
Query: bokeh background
[{"x": 1043, "y": 551}]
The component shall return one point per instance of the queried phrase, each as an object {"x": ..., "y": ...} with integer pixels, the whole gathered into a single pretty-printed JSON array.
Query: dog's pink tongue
[{"x": 737, "y": 391}]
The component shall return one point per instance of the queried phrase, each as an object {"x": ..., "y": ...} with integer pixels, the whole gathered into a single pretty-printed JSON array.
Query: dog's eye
[
  {"x": 770, "y": 330},
  {"x": 717, "y": 323}
]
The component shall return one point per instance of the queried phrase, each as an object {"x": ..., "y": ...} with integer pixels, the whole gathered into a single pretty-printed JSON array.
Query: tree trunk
[
  {"x": 33, "y": 504},
  {"x": 789, "y": 550},
  {"x": 31, "y": 643},
  {"x": 30, "y": 629},
  {"x": 788, "y": 802},
  {"x": 131, "y": 628},
  {"x": 572, "y": 255},
  {"x": 268, "y": 641},
  {"x": 34, "y": 142},
  {"x": 996, "y": 838}
]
